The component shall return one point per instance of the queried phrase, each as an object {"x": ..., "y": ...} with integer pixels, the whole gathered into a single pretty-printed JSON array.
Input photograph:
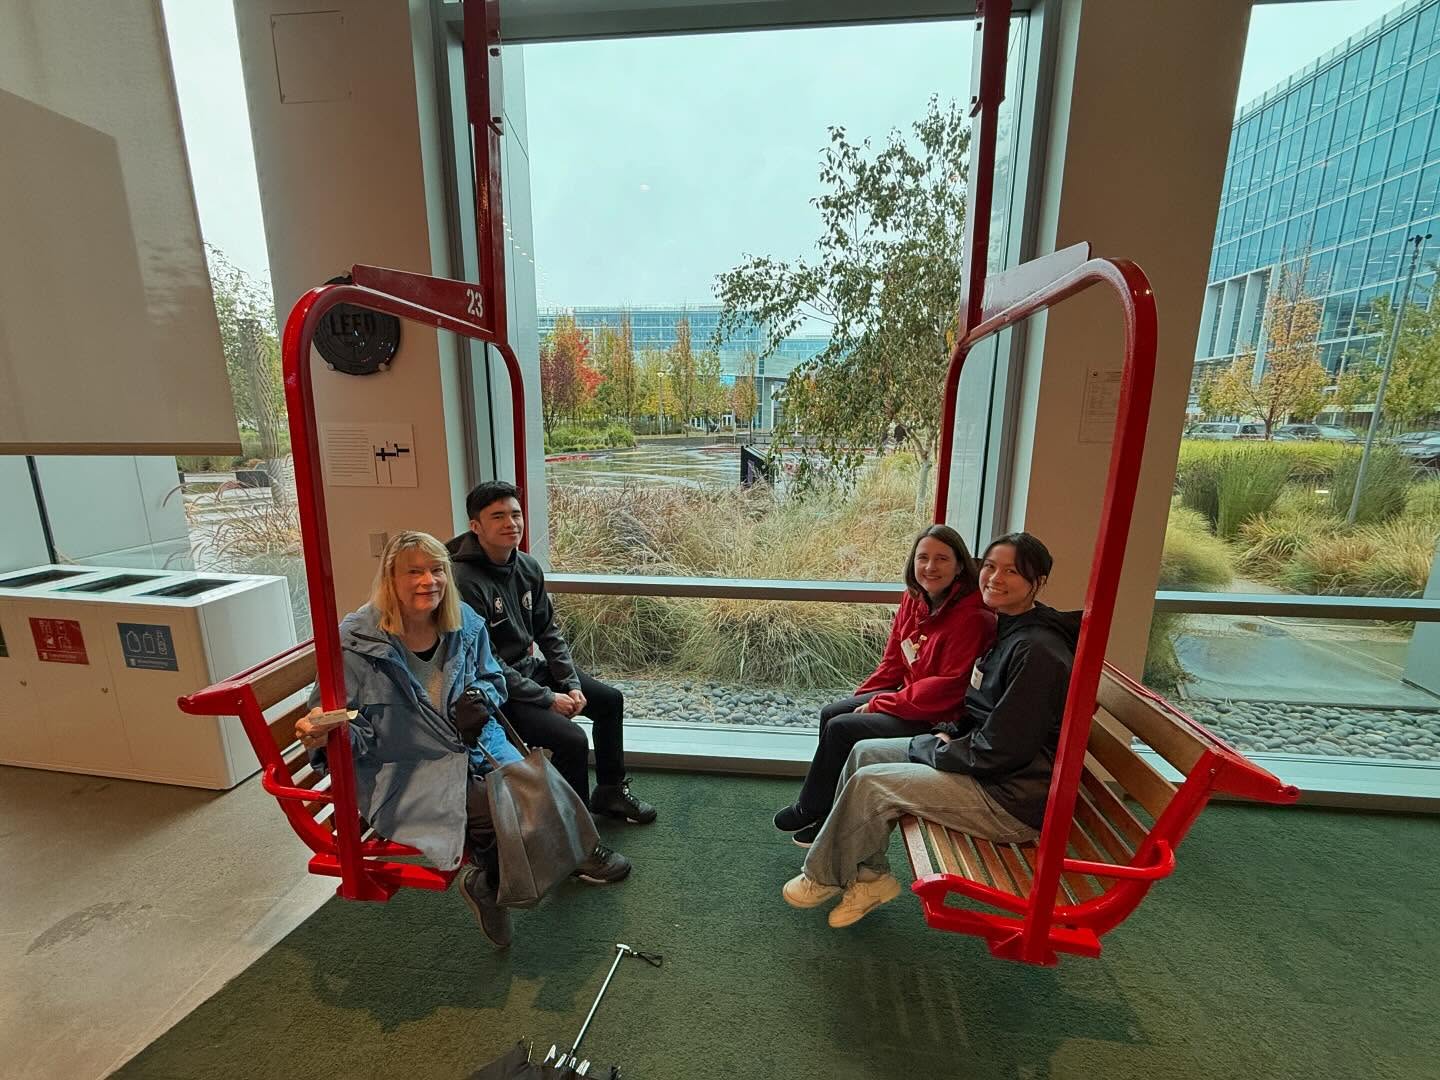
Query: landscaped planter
[{"x": 252, "y": 478}]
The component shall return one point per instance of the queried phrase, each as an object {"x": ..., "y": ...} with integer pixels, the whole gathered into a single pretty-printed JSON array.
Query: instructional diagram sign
[
  {"x": 148, "y": 645},
  {"x": 59, "y": 641}
]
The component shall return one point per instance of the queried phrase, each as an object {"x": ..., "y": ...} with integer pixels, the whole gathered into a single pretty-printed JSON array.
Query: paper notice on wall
[
  {"x": 1100, "y": 405},
  {"x": 369, "y": 455}
]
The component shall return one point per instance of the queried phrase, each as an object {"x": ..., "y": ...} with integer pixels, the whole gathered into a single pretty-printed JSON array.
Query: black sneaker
[
  {"x": 793, "y": 819},
  {"x": 806, "y": 836},
  {"x": 603, "y": 867},
  {"x": 494, "y": 920},
  {"x": 615, "y": 800}
]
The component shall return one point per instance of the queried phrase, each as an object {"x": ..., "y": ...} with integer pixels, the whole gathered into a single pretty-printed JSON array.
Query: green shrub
[
  {"x": 750, "y": 533},
  {"x": 1387, "y": 481},
  {"x": 1163, "y": 671},
  {"x": 1422, "y": 499},
  {"x": 1249, "y": 482},
  {"x": 1389, "y": 559},
  {"x": 569, "y": 438},
  {"x": 1192, "y": 558},
  {"x": 1269, "y": 542}
]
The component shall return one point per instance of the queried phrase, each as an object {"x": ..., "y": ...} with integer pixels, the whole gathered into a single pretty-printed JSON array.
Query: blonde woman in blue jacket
[{"x": 410, "y": 656}]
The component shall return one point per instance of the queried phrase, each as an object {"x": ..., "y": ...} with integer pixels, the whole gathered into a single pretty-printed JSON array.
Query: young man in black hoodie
[
  {"x": 507, "y": 588},
  {"x": 986, "y": 774}
]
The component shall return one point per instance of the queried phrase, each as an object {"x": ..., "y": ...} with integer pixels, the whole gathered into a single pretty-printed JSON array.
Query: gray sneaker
[
  {"x": 603, "y": 867},
  {"x": 494, "y": 920}
]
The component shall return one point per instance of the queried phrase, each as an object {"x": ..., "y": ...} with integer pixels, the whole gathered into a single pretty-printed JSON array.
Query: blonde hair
[{"x": 382, "y": 594}]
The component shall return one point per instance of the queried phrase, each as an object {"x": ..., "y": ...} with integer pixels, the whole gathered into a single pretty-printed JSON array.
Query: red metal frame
[
  {"x": 474, "y": 310},
  {"x": 991, "y": 304}
]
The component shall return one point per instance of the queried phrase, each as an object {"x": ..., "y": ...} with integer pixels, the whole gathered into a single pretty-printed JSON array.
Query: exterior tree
[
  {"x": 744, "y": 399},
  {"x": 885, "y": 278},
  {"x": 710, "y": 396},
  {"x": 245, "y": 310},
  {"x": 619, "y": 392},
  {"x": 1292, "y": 382},
  {"x": 684, "y": 373},
  {"x": 1413, "y": 393},
  {"x": 567, "y": 381}
]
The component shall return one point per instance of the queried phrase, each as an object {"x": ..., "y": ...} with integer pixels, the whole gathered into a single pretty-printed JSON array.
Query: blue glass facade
[
  {"x": 1338, "y": 164},
  {"x": 653, "y": 329}
]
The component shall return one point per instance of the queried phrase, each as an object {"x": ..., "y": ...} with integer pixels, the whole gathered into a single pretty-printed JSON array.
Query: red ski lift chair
[{"x": 1112, "y": 821}]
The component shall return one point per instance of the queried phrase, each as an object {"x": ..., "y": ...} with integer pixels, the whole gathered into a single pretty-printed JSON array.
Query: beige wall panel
[
  {"x": 108, "y": 336},
  {"x": 341, "y": 182},
  {"x": 1144, "y": 99}
]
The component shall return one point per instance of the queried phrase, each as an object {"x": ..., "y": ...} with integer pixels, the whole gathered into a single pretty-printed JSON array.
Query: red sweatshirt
[{"x": 944, "y": 644}]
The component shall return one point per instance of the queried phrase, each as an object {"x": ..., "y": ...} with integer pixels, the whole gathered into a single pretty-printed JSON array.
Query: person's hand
[
  {"x": 864, "y": 706},
  {"x": 943, "y": 737},
  {"x": 580, "y": 700},
  {"x": 314, "y": 728},
  {"x": 565, "y": 705}
]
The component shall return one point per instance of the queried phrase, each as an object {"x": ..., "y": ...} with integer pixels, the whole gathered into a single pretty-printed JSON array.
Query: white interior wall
[{"x": 342, "y": 182}]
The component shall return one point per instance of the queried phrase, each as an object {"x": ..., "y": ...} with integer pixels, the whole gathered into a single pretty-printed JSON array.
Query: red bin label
[{"x": 59, "y": 641}]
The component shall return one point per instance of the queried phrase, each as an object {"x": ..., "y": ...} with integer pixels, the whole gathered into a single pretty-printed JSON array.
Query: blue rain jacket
[{"x": 411, "y": 770}]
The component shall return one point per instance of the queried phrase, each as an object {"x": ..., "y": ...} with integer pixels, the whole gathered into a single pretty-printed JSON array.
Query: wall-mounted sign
[
  {"x": 59, "y": 641},
  {"x": 148, "y": 646},
  {"x": 355, "y": 340},
  {"x": 369, "y": 455}
]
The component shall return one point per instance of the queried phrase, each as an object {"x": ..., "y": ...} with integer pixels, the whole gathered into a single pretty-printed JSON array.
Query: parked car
[
  {"x": 1321, "y": 432},
  {"x": 1426, "y": 452},
  {"x": 1410, "y": 438},
  {"x": 1226, "y": 430}
]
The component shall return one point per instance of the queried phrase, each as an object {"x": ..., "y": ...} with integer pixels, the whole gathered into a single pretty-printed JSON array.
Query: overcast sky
[{"x": 658, "y": 162}]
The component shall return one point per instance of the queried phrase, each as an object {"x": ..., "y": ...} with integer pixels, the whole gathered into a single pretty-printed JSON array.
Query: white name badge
[
  {"x": 910, "y": 651},
  {"x": 976, "y": 675}
]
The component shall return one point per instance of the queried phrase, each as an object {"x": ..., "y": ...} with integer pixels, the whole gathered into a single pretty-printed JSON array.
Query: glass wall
[
  {"x": 729, "y": 269},
  {"x": 1333, "y": 170}
]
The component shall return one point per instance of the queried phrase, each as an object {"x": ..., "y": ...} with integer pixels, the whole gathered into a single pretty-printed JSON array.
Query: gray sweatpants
[{"x": 877, "y": 787}]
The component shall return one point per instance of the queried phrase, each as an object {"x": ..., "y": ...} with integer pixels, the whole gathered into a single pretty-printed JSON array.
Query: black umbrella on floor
[{"x": 567, "y": 1064}]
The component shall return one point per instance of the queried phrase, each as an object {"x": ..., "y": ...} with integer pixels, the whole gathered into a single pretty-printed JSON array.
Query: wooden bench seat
[{"x": 1127, "y": 822}]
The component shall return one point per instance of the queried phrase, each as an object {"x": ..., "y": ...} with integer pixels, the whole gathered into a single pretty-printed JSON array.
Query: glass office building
[
  {"x": 653, "y": 329},
  {"x": 1337, "y": 165}
]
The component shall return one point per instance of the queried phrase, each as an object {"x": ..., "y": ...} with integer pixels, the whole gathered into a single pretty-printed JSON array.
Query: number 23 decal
[{"x": 474, "y": 303}]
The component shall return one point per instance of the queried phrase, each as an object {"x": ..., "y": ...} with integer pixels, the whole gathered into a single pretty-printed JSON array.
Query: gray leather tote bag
[{"x": 543, "y": 830}]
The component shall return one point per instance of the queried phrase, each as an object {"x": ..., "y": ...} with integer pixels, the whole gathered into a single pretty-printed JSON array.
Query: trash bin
[{"x": 92, "y": 660}]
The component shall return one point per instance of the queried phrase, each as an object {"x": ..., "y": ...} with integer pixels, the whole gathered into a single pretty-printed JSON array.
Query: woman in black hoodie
[{"x": 987, "y": 775}]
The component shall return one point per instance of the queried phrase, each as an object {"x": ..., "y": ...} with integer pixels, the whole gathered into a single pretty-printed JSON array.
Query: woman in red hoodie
[{"x": 939, "y": 631}]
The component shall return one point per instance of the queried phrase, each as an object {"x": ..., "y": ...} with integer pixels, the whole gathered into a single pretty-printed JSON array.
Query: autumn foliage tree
[
  {"x": 744, "y": 399},
  {"x": 1412, "y": 393},
  {"x": 1292, "y": 380},
  {"x": 885, "y": 279},
  {"x": 619, "y": 393},
  {"x": 567, "y": 381}
]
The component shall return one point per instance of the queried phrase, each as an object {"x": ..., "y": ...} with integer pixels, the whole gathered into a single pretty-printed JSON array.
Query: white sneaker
[
  {"x": 801, "y": 892},
  {"x": 863, "y": 897}
]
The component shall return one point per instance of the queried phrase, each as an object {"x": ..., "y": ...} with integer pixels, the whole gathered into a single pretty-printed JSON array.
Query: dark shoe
[
  {"x": 806, "y": 836},
  {"x": 603, "y": 867},
  {"x": 793, "y": 819},
  {"x": 494, "y": 920},
  {"x": 615, "y": 800}
]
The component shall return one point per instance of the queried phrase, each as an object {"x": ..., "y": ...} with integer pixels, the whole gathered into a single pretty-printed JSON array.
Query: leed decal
[
  {"x": 59, "y": 641},
  {"x": 149, "y": 646}
]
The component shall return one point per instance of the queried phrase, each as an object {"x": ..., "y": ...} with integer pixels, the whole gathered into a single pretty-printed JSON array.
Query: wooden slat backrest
[
  {"x": 273, "y": 685},
  {"x": 1136, "y": 776},
  {"x": 1098, "y": 793},
  {"x": 1151, "y": 724}
]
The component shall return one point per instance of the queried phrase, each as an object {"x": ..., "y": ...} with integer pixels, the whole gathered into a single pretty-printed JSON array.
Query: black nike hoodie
[
  {"x": 511, "y": 598},
  {"x": 1013, "y": 709}
]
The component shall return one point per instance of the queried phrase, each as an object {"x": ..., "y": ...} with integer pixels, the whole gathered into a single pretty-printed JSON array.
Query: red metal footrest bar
[
  {"x": 1163, "y": 866},
  {"x": 284, "y": 791}
]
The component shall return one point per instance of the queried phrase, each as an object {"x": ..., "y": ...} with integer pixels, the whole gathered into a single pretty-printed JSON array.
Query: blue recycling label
[{"x": 149, "y": 646}]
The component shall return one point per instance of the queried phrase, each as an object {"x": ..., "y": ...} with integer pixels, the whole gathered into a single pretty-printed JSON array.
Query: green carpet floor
[{"x": 1289, "y": 943}]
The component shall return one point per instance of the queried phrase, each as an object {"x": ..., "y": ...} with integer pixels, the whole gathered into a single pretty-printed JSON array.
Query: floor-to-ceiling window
[
  {"x": 1327, "y": 237},
  {"x": 745, "y": 257}
]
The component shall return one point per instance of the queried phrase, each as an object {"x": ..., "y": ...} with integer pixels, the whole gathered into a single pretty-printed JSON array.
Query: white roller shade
[{"x": 108, "y": 336}]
